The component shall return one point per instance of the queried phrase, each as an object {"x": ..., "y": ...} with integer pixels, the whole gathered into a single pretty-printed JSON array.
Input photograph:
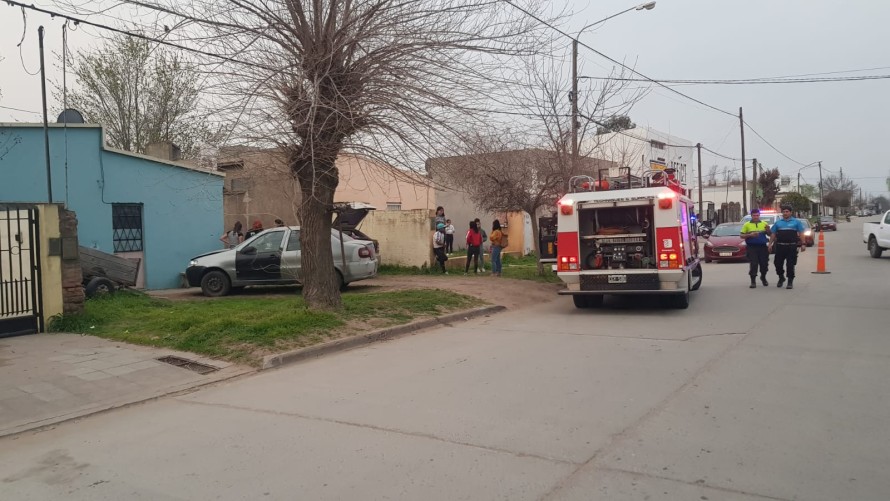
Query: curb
[{"x": 343, "y": 344}]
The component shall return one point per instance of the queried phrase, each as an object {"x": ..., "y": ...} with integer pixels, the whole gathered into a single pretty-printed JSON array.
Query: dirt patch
[
  {"x": 503, "y": 291},
  {"x": 494, "y": 290}
]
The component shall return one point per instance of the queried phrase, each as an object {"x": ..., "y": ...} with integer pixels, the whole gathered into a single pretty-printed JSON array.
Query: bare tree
[
  {"x": 712, "y": 175},
  {"x": 391, "y": 80},
  {"x": 838, "y": 191},
  {"x": 141, "y": 93},
  {"x": 528, "y": 166}
]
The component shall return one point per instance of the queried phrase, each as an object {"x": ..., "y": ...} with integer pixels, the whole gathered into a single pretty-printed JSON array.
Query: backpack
[{"x": 439, "y": 238}]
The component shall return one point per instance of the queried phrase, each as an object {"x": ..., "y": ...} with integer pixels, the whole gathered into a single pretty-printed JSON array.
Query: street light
[
  {"x": 643, "y": 6},
  {"x": 821, "y": 196}
]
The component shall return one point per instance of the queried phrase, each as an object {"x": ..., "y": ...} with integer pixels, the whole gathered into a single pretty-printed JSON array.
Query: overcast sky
[{"x": 843, "y": 124}]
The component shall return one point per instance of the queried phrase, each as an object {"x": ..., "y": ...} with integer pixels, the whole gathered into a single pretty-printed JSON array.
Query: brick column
[{"x": 72, "y": 277}]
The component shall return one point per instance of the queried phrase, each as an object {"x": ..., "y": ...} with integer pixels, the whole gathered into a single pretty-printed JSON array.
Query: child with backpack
[{"x": 439, "y": 246}]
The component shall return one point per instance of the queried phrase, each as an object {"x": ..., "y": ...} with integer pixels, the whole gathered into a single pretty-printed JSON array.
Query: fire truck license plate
[
  {"x": 726, "y": 254},
  {"x": 617, "y": 279}
]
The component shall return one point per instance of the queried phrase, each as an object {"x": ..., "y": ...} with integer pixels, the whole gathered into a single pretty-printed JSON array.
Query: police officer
[
  {"x": 756, "y": 234},
  {"x": 786, "y": 238}
]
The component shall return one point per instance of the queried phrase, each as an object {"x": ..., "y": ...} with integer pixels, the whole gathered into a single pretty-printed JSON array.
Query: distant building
[
  {"x": 460, "y": 208},
  {"x": 161, "y": 211},
  {"x": 260, "y": 186},
  {"x": 643, "y": 148}
]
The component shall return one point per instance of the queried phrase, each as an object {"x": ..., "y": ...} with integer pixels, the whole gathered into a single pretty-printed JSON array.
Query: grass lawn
[
  {"x": 244, "y": 329},
  {"x": 522, "y": 268}
]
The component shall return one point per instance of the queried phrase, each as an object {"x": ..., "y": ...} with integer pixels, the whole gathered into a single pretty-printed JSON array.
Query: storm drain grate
[{"x": 188, "y": 364}]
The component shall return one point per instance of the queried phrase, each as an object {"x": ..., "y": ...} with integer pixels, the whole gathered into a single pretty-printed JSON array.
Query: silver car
[{"x": 272, "y": 257}]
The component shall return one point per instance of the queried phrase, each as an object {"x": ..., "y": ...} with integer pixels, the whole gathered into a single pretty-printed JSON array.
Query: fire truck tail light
[
  {"x": 666, "y": 199},
  {"x": 663, "y": 257},
  {"x": 566, "y": 207},
  {"x": 673, "y": 257}
]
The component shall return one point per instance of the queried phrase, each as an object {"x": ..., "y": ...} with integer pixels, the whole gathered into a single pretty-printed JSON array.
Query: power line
[
  {"x": 750, "y": 81},
  {"x": 615, "y": 61},
  {"x": 773, "y": 147},
  {"x": 19, "y": 109},
  {"x": 78, "y": 21}
]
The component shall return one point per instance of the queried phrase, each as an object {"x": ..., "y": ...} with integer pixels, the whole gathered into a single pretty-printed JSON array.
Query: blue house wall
[{"x": 182, "y": 207}]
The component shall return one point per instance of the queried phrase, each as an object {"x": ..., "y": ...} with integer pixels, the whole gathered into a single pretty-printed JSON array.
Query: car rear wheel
[
  {"x": 874, "y": 250},
  {"x": 99, "y": 286},
  {"x": 341, "y": 283},
  {"x": 215, "y": 284}
]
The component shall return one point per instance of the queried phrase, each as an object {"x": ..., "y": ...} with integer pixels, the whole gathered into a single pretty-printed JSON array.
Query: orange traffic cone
[{"x": 820, "y": 259}]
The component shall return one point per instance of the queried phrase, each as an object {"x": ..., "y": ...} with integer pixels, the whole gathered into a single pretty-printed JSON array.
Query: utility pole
[
  {"x": 753, "y": 183},
  {"x": 798, "y": 181},
  {"x": 699, "y": 180},
  {"x": 744, "y": 181},
  {"x": 49, "y": 174},
  {"x": 821, "y": 193},
  {"x": 574, "y": 158}
]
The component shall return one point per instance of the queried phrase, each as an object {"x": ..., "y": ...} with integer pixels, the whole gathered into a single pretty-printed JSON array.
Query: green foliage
[
  {"x": 799, "y": 202},
  {"x": 767, "y": 184},
  {"x": 141, "y": 94},
  {"x": 616, "y": 123},
  {"x": 240, "y": 329},
  {"x": 809, "y": 191}
]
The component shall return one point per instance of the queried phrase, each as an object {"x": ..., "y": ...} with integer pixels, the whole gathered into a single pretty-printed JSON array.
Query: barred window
[
  {"x": 393, "y": 205},
  {"x": 127, "y": 224}
]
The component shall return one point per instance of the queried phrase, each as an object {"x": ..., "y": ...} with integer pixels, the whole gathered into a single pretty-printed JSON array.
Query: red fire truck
[{"x": 633, "y": 235}]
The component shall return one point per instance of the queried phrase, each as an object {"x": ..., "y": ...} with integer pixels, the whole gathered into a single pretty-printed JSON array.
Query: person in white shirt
[{"x": 449, "y": 237}]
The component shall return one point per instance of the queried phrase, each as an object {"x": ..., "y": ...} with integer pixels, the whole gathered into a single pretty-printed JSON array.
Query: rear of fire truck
[{"x": 632, "y": 239}]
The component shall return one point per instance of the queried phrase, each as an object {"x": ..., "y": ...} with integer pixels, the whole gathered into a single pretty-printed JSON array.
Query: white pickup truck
[{"x": 877, "y": 235}]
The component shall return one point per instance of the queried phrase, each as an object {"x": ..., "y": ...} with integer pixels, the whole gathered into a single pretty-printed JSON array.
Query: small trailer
[{"x": 103, "y": 273}]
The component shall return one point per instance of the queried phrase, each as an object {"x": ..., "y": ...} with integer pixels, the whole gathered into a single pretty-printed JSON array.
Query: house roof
[{"x": 181, "y": 165}]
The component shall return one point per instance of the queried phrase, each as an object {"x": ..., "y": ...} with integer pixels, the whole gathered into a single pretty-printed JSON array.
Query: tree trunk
[
  {"x": 536, "y": 243},
  {"x": 318, "y": 180}
]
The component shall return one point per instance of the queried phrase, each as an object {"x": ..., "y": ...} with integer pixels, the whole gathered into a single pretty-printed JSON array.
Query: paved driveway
[{"x": 748, "y": 394}]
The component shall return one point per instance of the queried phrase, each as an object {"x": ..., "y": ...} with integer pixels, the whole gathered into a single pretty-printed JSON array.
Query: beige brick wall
[{"x": 405, "y": 236}]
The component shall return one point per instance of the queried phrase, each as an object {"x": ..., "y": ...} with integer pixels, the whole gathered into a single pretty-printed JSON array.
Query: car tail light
[
  {"x": 365, "y": 252},
  {"x": 567, "y": 246}
]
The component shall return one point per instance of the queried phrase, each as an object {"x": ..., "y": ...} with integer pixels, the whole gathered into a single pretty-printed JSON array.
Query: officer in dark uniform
[{"x": 786, "y": 239}]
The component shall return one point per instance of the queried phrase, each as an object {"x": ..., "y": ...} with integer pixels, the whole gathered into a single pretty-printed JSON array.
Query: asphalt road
[{"x": 748, "y": 394}]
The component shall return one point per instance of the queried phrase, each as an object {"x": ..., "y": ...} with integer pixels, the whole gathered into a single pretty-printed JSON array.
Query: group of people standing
[
  {"x": 234, "y": 236},
  {"x": 785, "y": 236},
  {"x": 443, "y": 243}
]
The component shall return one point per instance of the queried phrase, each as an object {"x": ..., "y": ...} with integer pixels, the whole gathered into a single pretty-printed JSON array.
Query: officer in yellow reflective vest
[{"x": 756, "y": 234}]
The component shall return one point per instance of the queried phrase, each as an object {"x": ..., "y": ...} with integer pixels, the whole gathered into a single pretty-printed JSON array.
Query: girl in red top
[{"x": 474, "y": 243}]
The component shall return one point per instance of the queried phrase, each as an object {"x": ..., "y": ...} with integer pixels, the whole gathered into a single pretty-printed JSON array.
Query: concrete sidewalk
[{"x": 49, "y": 378}]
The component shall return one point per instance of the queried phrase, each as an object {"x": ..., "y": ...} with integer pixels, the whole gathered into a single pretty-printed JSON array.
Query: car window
[
  {"x": 293, "y": 241},
  {"x": 268, "y": 242},
  {"x": 729, "y": 230},
  {"x": 887, "y": 218}
]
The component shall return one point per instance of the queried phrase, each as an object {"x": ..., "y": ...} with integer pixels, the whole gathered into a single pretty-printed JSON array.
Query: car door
[
  {"x": 884, "y": 231},
  {"x": 260, "y": 260},
  {"x": 291, "y": 259}
]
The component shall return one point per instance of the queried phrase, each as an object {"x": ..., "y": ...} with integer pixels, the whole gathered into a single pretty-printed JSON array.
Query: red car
[
  {"x": 827, "y": 223},
  {"x": 726, "y": 244}
]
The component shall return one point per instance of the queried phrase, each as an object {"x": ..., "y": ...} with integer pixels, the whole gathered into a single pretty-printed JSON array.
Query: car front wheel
[
  {"x": 873, "y": 249},
  {"x": 215, "y": 284}
]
